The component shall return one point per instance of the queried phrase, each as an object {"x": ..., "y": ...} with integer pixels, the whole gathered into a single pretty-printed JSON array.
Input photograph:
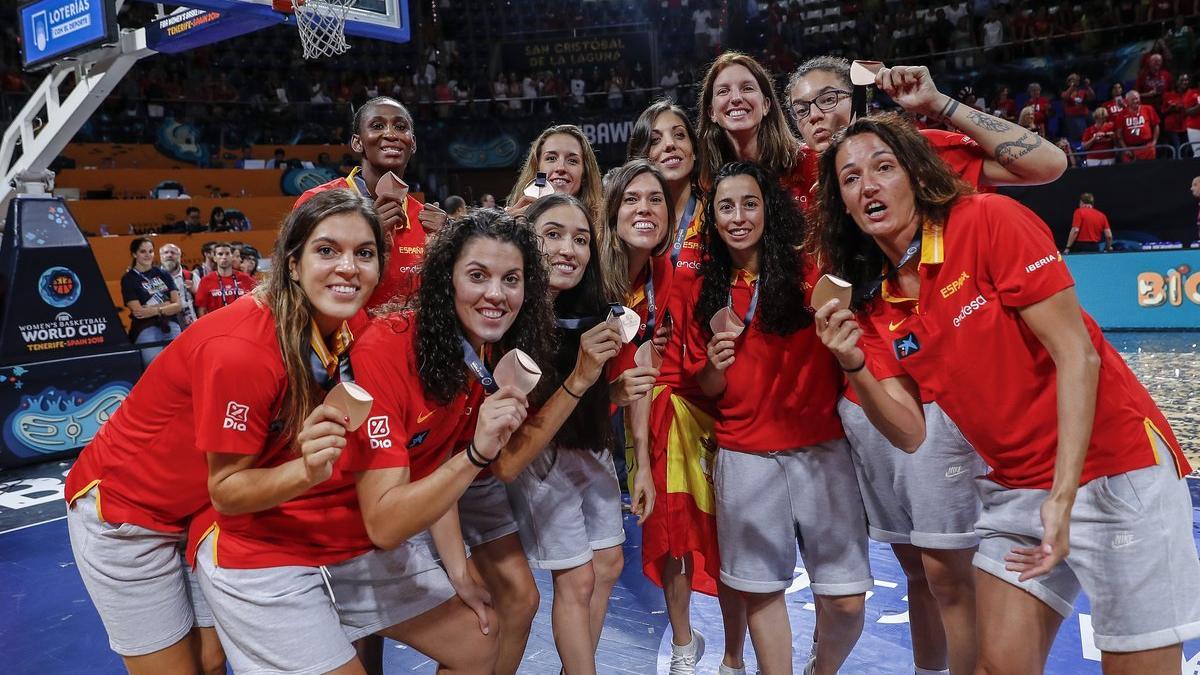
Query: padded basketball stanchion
[
  {"x": 65, "y": 361},
  {"x": 322, "y": 25}
]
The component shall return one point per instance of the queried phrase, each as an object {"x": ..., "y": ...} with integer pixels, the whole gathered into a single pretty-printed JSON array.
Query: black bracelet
[
  {"x": 850, "y": 371},
  {"x": 476, "y": 458},
  {"x": 569, "y": 392}
]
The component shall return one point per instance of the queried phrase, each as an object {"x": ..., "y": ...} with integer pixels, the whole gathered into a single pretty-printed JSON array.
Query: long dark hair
[
  {"x": 836, "y": 241},
  {"x": 643, "y": 134},
  {"x": 588, "y": 426},
  {"x": 781, "y": 307},
  {"x": 439, "y": 333},
  {"x": 290, "y": 307}
]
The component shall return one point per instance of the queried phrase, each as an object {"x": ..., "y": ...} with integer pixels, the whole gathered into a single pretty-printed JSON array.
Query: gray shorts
[
  {"x": 135, "y": 577},
  {"x": 568, "y": 503},
  {"x": 927, "y": 498},
  {"x": 768, "y": 502},
  {"x": 295, "y": 619},
  {"x": 484, "y": 512},
  {"x": 1131, "y": 551},
  {"x": 200, "y": 609}
]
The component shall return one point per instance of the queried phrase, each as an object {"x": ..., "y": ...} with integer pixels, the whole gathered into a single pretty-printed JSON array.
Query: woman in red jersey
[
  {"x": 999, "y": 337},
  {"x": 637, "y": 274},
  {"x": 903, "y": 501},
  {"x": 384, "y": 137},
  {"x": 781, "y": 445},
  {"x": 679, "y": 545},
  {"x": 220, "y": 389},
  {"x": 563, "y": 153},
  {"x": 741, "y": 119},
  {"x": 358, "y": 536}
]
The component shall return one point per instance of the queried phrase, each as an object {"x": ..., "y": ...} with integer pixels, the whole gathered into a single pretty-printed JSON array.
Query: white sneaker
[
  {"x": 685, "y": 658},
  {"x": 726, "y": 670}
]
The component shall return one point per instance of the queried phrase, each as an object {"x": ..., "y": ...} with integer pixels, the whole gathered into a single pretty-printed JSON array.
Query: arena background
[{"x": 203, "y": 122}]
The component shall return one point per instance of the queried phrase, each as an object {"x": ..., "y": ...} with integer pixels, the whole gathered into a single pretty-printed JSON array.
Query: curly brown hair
[{"x": 439, "y": 333}]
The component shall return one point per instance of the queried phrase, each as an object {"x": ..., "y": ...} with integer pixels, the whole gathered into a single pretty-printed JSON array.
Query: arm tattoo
[
  {"x": 986, "y": 121},
  {"x": 1011, "y": 151},
  {"x": 948, "y": 109}
]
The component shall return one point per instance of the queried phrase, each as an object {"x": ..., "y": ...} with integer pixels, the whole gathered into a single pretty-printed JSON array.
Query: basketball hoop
[{"x": 322, "y": 25}]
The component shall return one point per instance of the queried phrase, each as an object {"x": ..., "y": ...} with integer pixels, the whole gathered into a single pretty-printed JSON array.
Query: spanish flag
[{"x": 682, "y": 450}]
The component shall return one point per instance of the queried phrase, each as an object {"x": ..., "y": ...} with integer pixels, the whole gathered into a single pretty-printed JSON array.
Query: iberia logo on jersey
[
  {"x": 378, "y": 430},
  {"x": 236, "y": 415}
]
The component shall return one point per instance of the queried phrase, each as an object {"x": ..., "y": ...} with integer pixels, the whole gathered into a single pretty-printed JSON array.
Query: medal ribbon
[{"x": 329, "y": 368}]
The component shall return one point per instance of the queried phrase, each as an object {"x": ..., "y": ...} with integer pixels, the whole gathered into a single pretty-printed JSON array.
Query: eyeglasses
[{"x": 825, "y": 103}]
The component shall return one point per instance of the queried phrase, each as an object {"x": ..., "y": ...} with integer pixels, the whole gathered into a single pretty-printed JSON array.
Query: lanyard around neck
[
  {"x": 477, "y": 368},
  {"x": 682, "y": 229}
]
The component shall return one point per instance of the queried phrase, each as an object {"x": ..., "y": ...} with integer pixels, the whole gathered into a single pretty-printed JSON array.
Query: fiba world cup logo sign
[{"x": 59, "y": 287}]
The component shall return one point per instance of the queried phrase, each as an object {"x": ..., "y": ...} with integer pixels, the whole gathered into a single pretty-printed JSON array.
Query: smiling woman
[
  {"x": 185, "y": 436},
  {"x": 386, "y": 140},
  {"x": 563, "y": 153},
  {"x": 741, "y": 119}
]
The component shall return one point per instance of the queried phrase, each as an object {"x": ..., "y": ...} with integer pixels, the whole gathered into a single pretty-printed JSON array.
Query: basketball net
[{"x": 322, "y": 25}]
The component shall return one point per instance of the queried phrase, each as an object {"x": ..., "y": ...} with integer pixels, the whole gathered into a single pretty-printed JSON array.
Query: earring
[{"x": 295, "y": 277}]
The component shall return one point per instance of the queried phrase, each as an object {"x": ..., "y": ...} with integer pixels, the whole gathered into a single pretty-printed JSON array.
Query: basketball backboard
[{"x": 376, "y": 19}]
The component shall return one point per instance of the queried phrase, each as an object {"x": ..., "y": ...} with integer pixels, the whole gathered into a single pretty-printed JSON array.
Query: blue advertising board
[
  {"x": 1149, "y": 290},
  {"x": 52, "y": 29}
]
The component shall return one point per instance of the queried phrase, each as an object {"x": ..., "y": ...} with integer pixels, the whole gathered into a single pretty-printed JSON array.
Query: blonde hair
[
  {"x": 777, "y": 147},
  {"x": 590, "y": 188}
]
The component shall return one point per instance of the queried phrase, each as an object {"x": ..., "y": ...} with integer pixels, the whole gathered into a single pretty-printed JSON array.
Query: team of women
[{"x": 962, "y": 408}]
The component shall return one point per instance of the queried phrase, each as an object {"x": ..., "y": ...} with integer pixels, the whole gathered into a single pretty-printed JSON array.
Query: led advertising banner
[{"x": 52, "y": 29}]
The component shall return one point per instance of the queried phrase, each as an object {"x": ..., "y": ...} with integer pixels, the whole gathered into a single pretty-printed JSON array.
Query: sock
[{"x": 927, "y": 671}]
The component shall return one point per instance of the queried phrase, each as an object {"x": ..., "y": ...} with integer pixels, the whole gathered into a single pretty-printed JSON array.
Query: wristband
[
  {"x": 851, "y": 371},
  {"x": 569, "y": 392},
  {"x": 475, "y": 458}
]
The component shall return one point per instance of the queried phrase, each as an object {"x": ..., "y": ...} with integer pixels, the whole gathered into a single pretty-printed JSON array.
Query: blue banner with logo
[
  {"x": 52, "y": 29},
  {"x": 1150, "y": 290}
]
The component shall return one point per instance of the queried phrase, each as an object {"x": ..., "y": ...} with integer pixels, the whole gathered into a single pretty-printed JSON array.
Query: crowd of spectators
[{"x": 257, "y": 89}]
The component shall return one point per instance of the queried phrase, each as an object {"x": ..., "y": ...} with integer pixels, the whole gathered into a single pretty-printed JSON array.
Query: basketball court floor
[{"x": 49, "y": 627}]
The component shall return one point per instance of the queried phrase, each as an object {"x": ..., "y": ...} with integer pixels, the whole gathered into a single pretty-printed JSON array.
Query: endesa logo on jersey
[
  {"x": 968, "y": 309},
  {"x": 378, "y": 430},
  {"x": 235, "y": 416}
]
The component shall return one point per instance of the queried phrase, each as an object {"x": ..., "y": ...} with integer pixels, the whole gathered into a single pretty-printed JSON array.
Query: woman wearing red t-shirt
[
  {"x": 1100, "y": 137},
  {"x": 359, "y": 535},
  {"x": 633, "y": 242},
  {"x": 930, "y": 528},
  {"x": 741, "y": 119},
  {"x": 384, "y": 136},
  {"x": 679, "y": 544},
  {"x": 781, "y": 445},
  {"x": 217, "y": 391},
  {"x": 1001, "y": 342}
]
